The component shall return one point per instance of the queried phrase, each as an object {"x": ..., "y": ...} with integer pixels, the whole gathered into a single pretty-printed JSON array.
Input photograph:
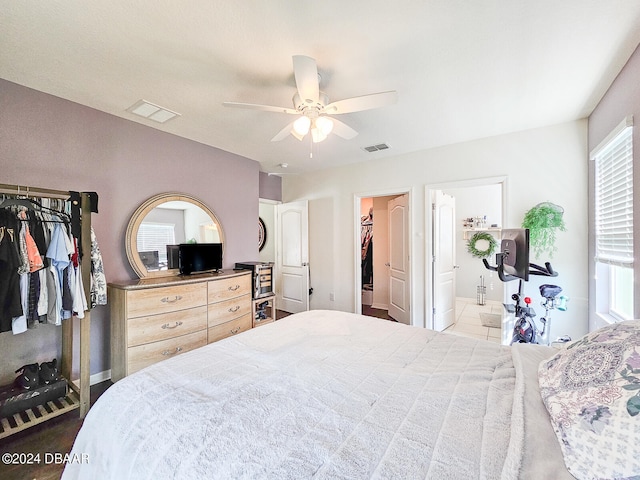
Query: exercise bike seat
[{"x": 550, "y": 291}]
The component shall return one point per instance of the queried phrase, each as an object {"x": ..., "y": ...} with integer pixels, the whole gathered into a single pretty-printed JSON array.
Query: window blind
[
  {"x": 156, "y": 236},
  {"x": 614, "y": 200}
]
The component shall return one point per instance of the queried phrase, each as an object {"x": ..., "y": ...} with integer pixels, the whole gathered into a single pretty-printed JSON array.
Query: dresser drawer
[
  {"x": 222, "y": 312},
  {"x": 152, "y": 301},
  {"x": 229, "y": 288},
  {"x": 152, "y": 328},
  {"x": 145, "y": 355},
  {"x": 227, "y": 329}
]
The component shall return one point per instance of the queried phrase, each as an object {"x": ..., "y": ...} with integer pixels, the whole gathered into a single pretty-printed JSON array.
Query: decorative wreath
[{"x": 487, "y": 237}]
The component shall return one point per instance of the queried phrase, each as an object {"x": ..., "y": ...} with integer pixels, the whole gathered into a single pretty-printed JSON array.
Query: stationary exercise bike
[
  {"x": 526, "y": 329},
  {"x": 513, "y": 264}
]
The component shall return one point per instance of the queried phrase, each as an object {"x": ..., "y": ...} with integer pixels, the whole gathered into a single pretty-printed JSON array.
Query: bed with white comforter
[{"x": 327, "y": 394}]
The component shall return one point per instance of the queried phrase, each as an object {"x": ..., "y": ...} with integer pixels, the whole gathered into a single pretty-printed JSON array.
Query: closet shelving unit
[
  {"x": 263, "y": 310},
  {"x": 78, "y": 391}
]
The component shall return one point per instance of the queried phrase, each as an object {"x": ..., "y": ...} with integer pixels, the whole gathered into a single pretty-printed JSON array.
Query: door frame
[
  {"x": 357, "y": 246},
  {"x": 428, "y": 267}
]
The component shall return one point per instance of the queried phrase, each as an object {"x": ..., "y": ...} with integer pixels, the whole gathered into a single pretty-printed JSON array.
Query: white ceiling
[{"x": 463, "y": 69}]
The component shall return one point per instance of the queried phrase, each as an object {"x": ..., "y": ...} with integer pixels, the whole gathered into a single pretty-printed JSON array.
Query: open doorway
[
  {"x": 382, "y": 260},
  {"x": 479, "y": 207}
]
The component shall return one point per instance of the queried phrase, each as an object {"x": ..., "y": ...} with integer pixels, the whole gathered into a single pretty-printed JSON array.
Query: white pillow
[{"x": 591, "y": 390}]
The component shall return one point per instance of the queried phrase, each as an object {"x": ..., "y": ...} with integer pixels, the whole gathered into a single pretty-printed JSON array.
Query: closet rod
[{"x": 33, "y": 191}]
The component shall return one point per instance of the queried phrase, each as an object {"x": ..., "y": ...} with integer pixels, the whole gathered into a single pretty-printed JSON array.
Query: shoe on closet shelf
[
  {"x": 29, "y": 376},
  {"x": 48, "y": 372}
]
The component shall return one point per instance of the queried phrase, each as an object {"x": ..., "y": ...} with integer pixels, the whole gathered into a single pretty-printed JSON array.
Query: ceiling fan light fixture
[
  {"x": 325, "y": 125},
  {"x": 313, "y": 106},
  {"x": 317, "y": 135},
  {"x": 301, "y": 125},
  {"x": 296, "y": 134}
]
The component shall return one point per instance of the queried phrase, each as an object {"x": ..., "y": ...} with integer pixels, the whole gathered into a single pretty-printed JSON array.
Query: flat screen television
[
  {"x": 515, "y": 252},
  {"x": 173, "y": 256},
  {"x": 199, "y": 257}
]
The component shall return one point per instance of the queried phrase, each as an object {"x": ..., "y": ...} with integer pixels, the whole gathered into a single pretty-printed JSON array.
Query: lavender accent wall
[
  {"x": 622, "y": 99},
  {"x": 270, "y": 187},
  {"x": 49, "y": 142}
]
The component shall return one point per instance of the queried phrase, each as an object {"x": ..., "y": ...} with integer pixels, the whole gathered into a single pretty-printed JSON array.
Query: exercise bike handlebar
[
  {"x": 546, "y": 271},
  {"x": 489, "y": 267},
  {"x": 534, "y": 269}
]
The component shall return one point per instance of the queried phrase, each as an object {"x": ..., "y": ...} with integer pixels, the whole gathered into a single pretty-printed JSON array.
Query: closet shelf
[{"x": 40, "y": 413}]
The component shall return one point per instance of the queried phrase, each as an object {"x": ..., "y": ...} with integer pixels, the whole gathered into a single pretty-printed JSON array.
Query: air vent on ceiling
[
  {"x": 152, "y": 112},
  {"x": 376, "y": 148}
]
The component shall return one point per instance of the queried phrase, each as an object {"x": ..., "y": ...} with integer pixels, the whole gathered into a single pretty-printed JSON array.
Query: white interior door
[
  {"x": 399, "y": 288},
  {"x": 444, "y": 253},
  {"x": 292, "y": 257}
]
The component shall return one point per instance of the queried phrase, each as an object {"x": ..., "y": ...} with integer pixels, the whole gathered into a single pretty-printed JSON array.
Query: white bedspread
[{"x": 322, "y": 394}]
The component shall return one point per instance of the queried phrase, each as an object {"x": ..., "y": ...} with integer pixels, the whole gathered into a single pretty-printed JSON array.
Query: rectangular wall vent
[{"x": 376, "y": 148}]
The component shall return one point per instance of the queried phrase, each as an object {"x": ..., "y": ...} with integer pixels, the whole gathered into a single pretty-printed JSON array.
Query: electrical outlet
[{"x": 332, "y": 297}]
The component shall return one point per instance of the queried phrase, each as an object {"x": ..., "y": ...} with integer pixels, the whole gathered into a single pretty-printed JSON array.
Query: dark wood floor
[
  {"x": 53, "y": 436},
  {"x": 376, "y": 312}
]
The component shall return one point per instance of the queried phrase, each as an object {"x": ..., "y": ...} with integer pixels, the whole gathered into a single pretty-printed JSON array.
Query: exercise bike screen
[{"x": 515, "y": 250}]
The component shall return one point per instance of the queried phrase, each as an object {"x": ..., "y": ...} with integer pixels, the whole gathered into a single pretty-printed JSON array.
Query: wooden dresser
[{"x": 155, "y": 319}]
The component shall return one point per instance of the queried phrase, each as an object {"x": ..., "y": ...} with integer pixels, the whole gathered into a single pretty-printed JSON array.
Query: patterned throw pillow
[{"x": 592, "y": 392}]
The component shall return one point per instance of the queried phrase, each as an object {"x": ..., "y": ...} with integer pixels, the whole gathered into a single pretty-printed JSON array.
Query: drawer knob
[
  {"x": 234, "y": 309},
  {"x": 169, "y": 352},
  {"x": 171, "y": 300},
  {"x": 169, "y": 326},
  {"x": 235, "y": 330},
  {"x": 233, "y": 289}
]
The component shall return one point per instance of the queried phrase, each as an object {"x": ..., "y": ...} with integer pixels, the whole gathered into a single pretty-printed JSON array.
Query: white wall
[
  {"x": 546, "y": 164},
  {"x": 476, "y": 202}
]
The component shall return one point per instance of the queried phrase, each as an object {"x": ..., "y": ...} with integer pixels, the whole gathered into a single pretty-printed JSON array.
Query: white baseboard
[{"x": 100, "y": 377}]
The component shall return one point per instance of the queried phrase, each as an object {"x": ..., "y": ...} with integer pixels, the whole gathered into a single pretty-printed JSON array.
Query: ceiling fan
[{"x": 313, "y": 108}]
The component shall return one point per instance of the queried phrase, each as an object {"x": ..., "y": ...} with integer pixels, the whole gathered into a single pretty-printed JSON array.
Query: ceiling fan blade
[
  {"x": 282, "y": 134},
  {"x": 306, "y": 74},
  {"x": 342, "y": 129},
  {"x": 365, "y": 102},
  {"x": 264, "y": 108}
]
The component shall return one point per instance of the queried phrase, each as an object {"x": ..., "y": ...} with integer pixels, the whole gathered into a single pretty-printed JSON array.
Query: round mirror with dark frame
[{"x": 163, "y": 222}]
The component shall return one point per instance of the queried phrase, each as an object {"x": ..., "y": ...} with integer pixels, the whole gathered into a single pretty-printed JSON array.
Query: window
[
  {"x": 614, "y": 223},
  {"x": 154, "y": 237}
]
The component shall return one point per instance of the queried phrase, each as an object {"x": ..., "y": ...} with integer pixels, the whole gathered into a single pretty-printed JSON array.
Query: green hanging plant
[
  {"x": 543, "y": 221},
  {"x": 485, "y": 237}
]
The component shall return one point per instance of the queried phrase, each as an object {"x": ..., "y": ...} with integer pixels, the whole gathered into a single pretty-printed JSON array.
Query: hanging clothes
[
  {"x": 98, "y": 278},
  {"x": 58, "y": 256},
  {"x": 367, "y": 249},
  {"x": 19, "y": 323},
  {"x": 40, "y": 278},
  {"x": 10, "y": 299}
]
